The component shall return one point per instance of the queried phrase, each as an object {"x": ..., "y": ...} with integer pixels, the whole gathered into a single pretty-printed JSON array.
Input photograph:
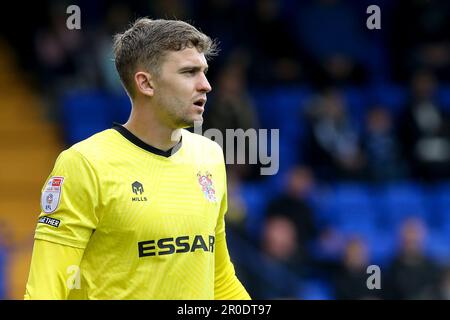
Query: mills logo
[{"x": 138, "y": 189}]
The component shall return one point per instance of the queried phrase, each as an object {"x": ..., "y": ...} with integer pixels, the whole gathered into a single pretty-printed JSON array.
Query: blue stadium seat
[
  {"x": 437, "y": 246},
  {"x": 2, "y": 273},
  {"x": 357, "y": 226},
  {"x": 397, "y": 201},
  {"x": 264, "y": 104},
  {"x": 121, "y": 107},
  {"x": 352, "y": 205},
  {"x": 346, "y": 206},
  {"x": 323, "y": 204},
  {"x": 255, "y": 199},
  {"x": 444, "y": 98},
  {"x": 438, "y": 202},
  {"x": 357, "y": 104},
  {"x": 382, "y": 246},
  {"x": 288, "y": 155},
  {"x": 85, "y": 113},
  {"x": 316, "y": 289},
  {"x": 281, "y": 107},
  {"x": 288, "y": 108},
  {"x": 391, "y": 96}
]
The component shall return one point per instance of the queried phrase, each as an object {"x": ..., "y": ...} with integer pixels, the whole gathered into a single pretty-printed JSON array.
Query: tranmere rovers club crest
[{"x": 205, "y": 181}]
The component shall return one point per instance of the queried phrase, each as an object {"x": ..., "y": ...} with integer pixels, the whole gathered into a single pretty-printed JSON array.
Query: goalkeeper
[{"x": 137, "y": 211}]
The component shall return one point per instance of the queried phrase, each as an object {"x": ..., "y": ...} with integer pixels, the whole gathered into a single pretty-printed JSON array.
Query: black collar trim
[{"x": 141, "y": 144}]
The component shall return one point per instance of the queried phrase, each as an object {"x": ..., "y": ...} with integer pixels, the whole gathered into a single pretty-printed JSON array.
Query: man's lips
[{"x": 200, "y": 102}]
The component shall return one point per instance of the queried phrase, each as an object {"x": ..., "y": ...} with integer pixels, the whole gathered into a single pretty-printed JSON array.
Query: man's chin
[{"x": 197, "y": 122}]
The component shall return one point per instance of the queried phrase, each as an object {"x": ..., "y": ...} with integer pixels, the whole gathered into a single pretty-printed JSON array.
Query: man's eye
[{"x": 190, "y": 72}]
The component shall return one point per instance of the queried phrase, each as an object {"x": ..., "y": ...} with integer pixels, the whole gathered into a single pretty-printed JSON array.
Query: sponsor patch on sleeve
[
  {"x": 50, "y": 221},
  {"x": 52, "y": 194}
]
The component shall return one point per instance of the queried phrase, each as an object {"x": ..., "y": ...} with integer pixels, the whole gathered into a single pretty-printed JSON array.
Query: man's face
[{"x": 180, "y": 88}]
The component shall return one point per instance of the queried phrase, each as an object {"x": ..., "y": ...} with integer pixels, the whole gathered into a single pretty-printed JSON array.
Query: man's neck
[{"x": 144, "y": 125}]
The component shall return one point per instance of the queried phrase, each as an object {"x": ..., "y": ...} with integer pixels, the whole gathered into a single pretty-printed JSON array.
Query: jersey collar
[{"x": 141, "y": 144}]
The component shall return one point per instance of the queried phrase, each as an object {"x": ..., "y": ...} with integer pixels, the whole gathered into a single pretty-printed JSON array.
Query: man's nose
[{"x": 203, "y": 85}]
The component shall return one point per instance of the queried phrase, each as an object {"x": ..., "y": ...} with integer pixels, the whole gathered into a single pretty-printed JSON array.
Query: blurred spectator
[
  {"x": 411, "y": 274},
  {"x": 232, "y": 108},
  {"x": 170, "y": 9},
  {"x": 282, "y": 63},
  {"x": 293, "y": 203},
  {"x": 444, "y": 286},
  {"x": 280, "y": 244},
  {"x": 226, "y": 20},
  {"x": 329, "y": 245},
  {"x": 326, "y": 252},
  {"x": 63, "y": 59},
  {"x": 118, "y": 16},
  {"x": 420, "y": 37},
  {"x": 382, "y": 148},
  {"x": 351, "y": 277},
  {"x": 289, "y": 223},
  {"x": 56, "y": 47},
  {"x": 275, "y": 270},
  {"x": 333, "y": 145},
  {"x": 331, "y": 32},
  {"x": 425, "y": 131},
  {"x": 237, "y": 212}
]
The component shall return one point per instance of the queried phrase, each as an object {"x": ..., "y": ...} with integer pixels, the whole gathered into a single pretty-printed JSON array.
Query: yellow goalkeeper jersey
[{"x": 151, "y": 223}]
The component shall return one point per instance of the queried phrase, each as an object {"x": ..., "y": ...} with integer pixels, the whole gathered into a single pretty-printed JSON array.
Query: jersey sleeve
[
  {"x": 69, "y": 202},
  {"x": 54, "y": 271},
  {"x": 226, "y": 285}
]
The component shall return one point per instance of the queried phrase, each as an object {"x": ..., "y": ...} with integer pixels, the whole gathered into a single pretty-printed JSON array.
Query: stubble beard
[
  {"x": 188, "y": 122},
  {"x": 187, "y": 118},
  {"x": 180, "y": 115}
]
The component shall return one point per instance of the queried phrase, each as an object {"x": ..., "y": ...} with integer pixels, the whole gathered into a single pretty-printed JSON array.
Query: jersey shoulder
[
  {"x": 83, "y": 155},
  {"x": 203, "y": 143},
  {"x": 99, "y": 145}
]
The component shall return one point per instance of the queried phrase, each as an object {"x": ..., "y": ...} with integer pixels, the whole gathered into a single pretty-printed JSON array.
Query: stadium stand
[{"x": 28, "y": 146}]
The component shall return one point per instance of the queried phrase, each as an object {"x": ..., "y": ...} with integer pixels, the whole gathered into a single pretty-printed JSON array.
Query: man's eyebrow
[{"x": 193, "y": 68}]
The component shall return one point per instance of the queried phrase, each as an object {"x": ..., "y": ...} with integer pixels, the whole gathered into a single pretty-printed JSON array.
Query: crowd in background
[{"x": 324, "y": 48}]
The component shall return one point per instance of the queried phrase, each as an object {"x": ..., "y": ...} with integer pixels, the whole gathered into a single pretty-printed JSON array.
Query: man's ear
[{"x": 144, "y": 83}]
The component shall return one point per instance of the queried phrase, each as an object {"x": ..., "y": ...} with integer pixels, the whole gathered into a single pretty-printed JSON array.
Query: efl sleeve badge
[{"x": 52, "y": 194}]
